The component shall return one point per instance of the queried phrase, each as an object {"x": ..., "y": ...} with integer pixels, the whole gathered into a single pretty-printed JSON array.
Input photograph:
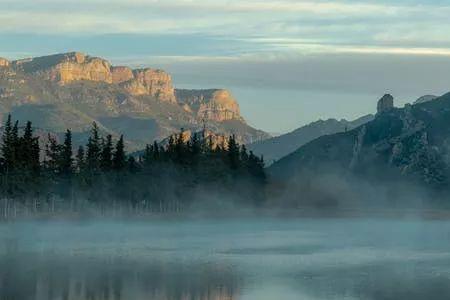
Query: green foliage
[{"x": 162, "y": 178}]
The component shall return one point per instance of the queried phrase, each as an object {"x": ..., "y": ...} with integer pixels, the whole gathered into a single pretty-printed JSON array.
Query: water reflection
[
  {"x": 45, "y": 277},
  {"x": 258, "y": 259}
]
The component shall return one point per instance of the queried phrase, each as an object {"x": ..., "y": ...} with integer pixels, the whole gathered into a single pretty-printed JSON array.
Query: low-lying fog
[{"x": 265, "y": 258}]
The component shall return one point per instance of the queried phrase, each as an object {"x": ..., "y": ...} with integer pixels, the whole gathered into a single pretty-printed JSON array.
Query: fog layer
[{"x": 226, "y": 259}]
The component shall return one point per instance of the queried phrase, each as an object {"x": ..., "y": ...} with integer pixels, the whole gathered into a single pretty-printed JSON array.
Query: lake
[{"x": 237, "y": 258}]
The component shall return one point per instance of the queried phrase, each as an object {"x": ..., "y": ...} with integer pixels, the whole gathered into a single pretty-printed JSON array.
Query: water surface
[{"x": 265, "y": 258}]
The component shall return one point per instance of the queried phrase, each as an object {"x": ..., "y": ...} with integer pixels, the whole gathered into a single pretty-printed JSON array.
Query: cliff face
[
  {"x": 216, "y": 104},
  {"x": 386, "y": 103},
  {"x": 66, "y": 68},
  {"x": 155, "y": 83},
  {"x": 410, "y": 143},
  {"x": 71, "y": 67},
  {"x": 4, "y": 62},
  {"x": 72, "y": 90}
]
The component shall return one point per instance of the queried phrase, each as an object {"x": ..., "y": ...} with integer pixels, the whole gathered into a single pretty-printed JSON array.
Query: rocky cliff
[
  {"x": 4, "y": 62},
  {"x": 214, "y": 104},
  {"x": 399, "y": 159},
  {"x": 71, "y": 90},
  {"x": 75, "y": 66},
  {"x": 386, "y": 103},
  {"x": 400, "y": 144}
]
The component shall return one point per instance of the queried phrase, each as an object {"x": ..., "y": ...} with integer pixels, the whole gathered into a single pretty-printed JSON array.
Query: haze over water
[{"x": 264, "y": 258}]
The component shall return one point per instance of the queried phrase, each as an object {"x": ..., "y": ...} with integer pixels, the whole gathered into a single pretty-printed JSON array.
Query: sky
[{"x": 287, "y": 62}]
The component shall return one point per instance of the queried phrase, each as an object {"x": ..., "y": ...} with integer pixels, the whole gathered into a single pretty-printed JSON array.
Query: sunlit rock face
[
  {"x": 4, "y": 62},
  {"x": 72, "y": 90},
  {"x": 68, "y": 67},
  {"x": 121, "y": 74},
  {"x": 217, "y": 104},
  {"x": 156, "y": 83}
]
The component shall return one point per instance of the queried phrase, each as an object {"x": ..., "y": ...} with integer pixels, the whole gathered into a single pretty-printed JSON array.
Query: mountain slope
[
  {"x": 401, "y": 144},
  {"x": 277, "y": 147},
  {"x": 72, "y": 90}
]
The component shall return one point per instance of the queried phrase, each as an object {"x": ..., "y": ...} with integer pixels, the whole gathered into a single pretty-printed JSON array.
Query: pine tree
[
  {"x": 28, "y": 151},
  {"x": 244, "y": 154},
  {"x": 66, "y": 159},
  {"x": 119, "y": 157},
  {"x": 106, "y": 154},
  {"x": 233, "y": 152},
  {"x": 93, "y": 150},
  {"x": 80, "y": 159},
  {"x": 53, "y": 156},
  {"x": 7, "y": 146},
  {"x": 16, "y": 143},
  {"x": 147, "y": 158}
]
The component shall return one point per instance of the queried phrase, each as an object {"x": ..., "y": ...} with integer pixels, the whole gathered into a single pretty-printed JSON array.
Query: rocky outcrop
[
  {"x": 4, "y": 62},
  {"x": 75, "y": 66},
  {"x": 407, "y": 144},
  {"x": 121, "y": 74},
  {"x": 215, "y": 104},
  {"x": 68, "y": 67},
  {"x": 155, "y": 83},
  {"x": 138, "y": 103},
  {"x": 386, "y": 103}
]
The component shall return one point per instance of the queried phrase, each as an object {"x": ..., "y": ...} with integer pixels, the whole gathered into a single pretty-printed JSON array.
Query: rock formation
[
  {"x": 69, "y": 67},
  {"x": 72, "y": 90},
  {"x": 155, "y": 83},
  {"x": 4, "y": 62},
  {"x": 215, "y": 104},
  {"x": 65, "y": 68},
  {"x": 386, "y": 103},
  {"x": 121, "y": 74}
]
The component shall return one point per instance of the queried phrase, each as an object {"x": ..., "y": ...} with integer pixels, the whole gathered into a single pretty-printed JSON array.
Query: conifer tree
[
  {"x": 80, "y": 159},
  {"x": 53, "y": 155},
  {"x": 93, "y": 150},
  {"x": 106, "y": 154},
  {"x": 233, "y": 152},
  {"x": 8, "y": 146},
  {"x": 148, "y": 155},
  {"x": 119, "y": 157},
  {"x": 66, "y": 154}
]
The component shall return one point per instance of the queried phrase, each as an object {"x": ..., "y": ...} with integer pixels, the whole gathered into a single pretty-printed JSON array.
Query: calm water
[{"x": 226, "y": 259}]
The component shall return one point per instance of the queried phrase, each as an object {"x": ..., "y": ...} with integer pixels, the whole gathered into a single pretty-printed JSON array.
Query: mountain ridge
[
  {"x": 400, "y": 143},
  {"x": 64, "y": 86},
  {"x": 277, "y": 147}
]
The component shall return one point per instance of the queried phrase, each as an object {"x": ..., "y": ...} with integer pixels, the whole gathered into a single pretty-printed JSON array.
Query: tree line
[{"x": 51, "y": 176}]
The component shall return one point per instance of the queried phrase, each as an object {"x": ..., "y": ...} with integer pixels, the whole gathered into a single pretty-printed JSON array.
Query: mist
[{"x": 239, "y": 258}]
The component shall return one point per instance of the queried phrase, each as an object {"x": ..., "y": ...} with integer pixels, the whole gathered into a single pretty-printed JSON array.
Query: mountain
[
  {"x": 72, "y": 90},
  {"x": 277, "y": 147},
  {"x": 425, "y": 98},
  {"x": 408, "y": 145}
]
